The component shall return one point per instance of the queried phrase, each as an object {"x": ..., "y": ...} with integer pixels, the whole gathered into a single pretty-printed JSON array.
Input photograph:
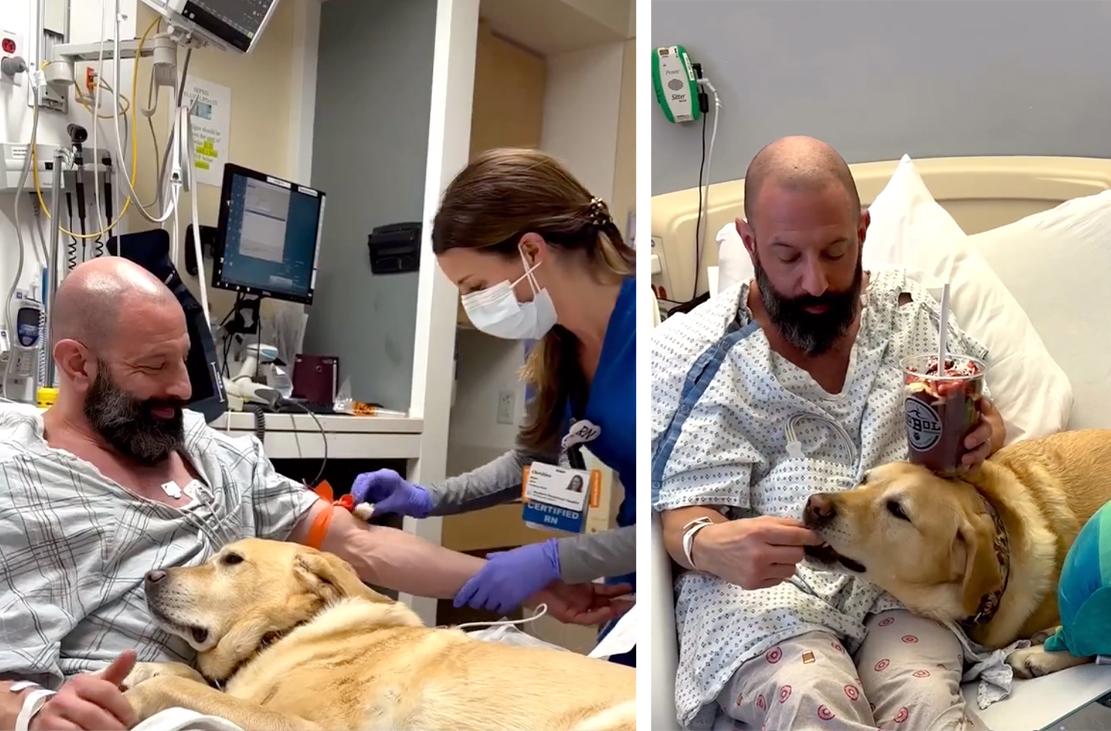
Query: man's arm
[
  {"x": 673, "y": 522},
  {"x": 10, "y": 704},
  {"x": 753, "y": 553},
  {"x": 389, "y": 557}
]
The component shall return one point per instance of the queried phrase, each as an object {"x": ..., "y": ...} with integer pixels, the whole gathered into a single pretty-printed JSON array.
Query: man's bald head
[
  {"x": 798, "y": 163},
  {"x": 91, "y": 299}
]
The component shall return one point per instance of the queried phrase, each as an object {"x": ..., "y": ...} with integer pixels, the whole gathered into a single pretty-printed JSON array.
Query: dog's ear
[
  {"x": 982, "y": 575},
  {"x": 332, "y": 578}
]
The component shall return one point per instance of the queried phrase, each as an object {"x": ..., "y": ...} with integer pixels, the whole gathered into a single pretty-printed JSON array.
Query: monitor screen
[
  {"x": 246, "y": 16},
  {"x": 227, "y": 24},
  {"x": 270, "y": 232}
]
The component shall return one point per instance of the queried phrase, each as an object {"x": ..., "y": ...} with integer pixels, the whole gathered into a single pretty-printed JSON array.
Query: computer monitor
[{"x": 268, "y": 238}]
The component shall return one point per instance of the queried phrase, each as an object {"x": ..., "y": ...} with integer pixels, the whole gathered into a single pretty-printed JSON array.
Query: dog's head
[
  {"x": 247, "y": 596},
  {"x": 926, "y": 540}
]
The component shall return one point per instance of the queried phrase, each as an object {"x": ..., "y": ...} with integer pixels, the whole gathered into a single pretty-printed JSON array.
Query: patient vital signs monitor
[
  {"x": 227, "y": 24},
  {"x": 268, "y": 237}
]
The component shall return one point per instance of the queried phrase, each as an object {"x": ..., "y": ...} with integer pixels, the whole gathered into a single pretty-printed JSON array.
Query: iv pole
[{"x": 55, "y": 232}]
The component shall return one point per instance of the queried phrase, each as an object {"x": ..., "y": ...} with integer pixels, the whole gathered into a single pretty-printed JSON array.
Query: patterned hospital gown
[
  {"x": 722, "y": 401},
  {"x": 74, "y": 545}
]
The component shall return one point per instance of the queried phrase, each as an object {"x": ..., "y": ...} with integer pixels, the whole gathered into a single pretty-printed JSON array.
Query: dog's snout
[
  {"x": 820, "y": 510},
  {"x": 153, "y": 577}
]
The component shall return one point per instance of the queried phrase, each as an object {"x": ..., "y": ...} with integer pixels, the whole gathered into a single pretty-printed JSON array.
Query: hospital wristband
[
  {"x": 690, "y": 530},
  {"x": 32, "y": 704}
]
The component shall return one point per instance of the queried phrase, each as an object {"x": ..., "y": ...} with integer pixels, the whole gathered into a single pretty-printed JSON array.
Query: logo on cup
[{"x": 923, "y": 424}]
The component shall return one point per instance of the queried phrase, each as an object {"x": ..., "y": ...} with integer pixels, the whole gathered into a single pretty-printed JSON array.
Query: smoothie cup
[{"x": 942, "y": 408}]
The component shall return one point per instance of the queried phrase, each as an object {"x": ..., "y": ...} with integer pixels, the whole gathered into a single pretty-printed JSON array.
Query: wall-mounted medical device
[
  {"x": 676, "y": 85},
  {"x": 395, "y": 248},
  {"x": 227, "y": 24},
  {"x": 19, "y": 348}
]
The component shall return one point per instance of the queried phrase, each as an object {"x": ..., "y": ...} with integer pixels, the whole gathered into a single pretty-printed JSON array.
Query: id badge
[{"x": 558, "y": 498}]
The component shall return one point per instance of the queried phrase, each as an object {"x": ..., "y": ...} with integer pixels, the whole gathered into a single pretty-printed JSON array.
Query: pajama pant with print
[{"x": 906, "y": 676}]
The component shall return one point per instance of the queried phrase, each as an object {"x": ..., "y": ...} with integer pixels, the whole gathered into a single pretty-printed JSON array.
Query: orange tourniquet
[{"x": 319, "y": 528}]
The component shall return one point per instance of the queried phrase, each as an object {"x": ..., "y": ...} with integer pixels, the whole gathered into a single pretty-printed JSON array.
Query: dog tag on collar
[{"x": 556, "y": 498}]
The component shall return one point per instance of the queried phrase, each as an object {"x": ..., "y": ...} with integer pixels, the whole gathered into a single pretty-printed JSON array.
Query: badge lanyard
[{"x": 558, "y": 498}]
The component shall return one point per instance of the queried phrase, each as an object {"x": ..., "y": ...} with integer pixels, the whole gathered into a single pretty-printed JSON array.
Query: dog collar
[
  {"x": 989, "y": 603},
  {"x": 266, "y": 640}
]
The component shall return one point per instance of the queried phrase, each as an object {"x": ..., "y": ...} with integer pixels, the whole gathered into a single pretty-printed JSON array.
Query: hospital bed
[{"x": 981, "y": 194}]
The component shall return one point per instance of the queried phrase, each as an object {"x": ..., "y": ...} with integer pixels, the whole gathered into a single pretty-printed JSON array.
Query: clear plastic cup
[{"x": 941, "y": 409}]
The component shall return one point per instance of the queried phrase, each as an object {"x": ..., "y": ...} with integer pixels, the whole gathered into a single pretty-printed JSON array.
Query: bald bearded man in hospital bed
[
  {"x": 814, "y": 341},
  {"x": 117, "y": 479}
]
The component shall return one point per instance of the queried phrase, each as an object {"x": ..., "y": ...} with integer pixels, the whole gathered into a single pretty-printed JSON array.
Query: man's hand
[
  {"x": 753, "y": 553},
  {"x": 987, "y": 438},
  {"x": 91, "y": 701},
  {"x": 582, "y": 603}
]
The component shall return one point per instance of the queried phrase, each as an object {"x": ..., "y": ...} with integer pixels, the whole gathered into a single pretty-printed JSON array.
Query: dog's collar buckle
[{"x": 988, "y": 604}]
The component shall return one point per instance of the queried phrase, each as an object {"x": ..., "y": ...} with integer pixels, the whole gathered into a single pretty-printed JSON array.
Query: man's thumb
[{"x": 120, "y": 668}]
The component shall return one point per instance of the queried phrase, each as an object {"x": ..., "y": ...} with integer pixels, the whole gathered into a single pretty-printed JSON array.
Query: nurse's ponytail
[{"x": 498, "y": 198}]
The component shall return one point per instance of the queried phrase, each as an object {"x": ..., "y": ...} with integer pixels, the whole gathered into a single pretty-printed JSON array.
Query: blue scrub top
[{"x": 611, "y": 403}]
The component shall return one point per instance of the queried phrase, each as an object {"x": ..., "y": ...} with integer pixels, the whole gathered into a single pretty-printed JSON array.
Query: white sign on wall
[{"x": 210, "y": 118}]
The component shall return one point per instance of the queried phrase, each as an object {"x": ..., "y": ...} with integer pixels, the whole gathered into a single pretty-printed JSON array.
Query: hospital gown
[{"x": 722, "y": 400}]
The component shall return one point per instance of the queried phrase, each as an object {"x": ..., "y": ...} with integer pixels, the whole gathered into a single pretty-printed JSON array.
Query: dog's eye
[
  {"x": 896, "y": 509},
  {"x": 231, "y": 559}
]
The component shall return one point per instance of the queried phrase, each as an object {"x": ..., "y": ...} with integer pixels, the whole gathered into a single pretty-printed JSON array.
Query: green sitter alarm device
[{"x": 676, "y": 86}]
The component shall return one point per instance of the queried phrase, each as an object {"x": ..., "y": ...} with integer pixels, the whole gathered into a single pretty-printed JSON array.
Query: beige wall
[
  {"x": 625, "y": 168},
  {"x": 262, "y": 91},
  {"x": 508, "y": 109}
]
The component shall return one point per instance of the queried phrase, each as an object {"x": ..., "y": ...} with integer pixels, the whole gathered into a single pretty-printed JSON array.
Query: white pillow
[
  {"x": 1057, "y": 263},
  {"x": 734, "y": 264},
  {"x": 911, "y": 231}
]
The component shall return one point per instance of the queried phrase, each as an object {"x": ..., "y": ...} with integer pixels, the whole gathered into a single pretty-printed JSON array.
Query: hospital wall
[
  {"x": 369, "y": 150},
  {"x": 266, "y": 125},
  {"x": 16, "y": 115},
  {"x": 598, "y": 148},
  {"x": 263, "y": 135},
  {"x": 881, "y": 79}
]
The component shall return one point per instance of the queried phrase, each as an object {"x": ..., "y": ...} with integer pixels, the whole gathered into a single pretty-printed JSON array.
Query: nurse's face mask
[{"x": 496, "y": 311}]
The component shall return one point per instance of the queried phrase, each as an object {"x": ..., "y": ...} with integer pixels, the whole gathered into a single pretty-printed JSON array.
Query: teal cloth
[{"x": 1084, "y": 591}]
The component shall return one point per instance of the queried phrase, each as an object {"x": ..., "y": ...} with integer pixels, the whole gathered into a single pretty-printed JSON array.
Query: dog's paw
[
  {"x": 1036, "y": 661},
  {"x": 144, "y": 671},
  {"x": 146, "y": 698}
]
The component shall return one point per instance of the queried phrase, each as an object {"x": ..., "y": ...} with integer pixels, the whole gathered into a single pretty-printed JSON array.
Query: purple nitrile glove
[
  {"x": 390, "y": 493},
  {"x": 511, "y": 577}
]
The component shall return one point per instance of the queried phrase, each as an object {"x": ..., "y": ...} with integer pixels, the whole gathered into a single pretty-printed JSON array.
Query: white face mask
[{"x": 496, "y": 311}]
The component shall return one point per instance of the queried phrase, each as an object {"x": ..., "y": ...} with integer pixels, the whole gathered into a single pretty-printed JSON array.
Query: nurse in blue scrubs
[{"x": 538, "y": 258}]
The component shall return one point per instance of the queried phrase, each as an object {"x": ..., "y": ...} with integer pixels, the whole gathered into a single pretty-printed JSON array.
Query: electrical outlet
[
  {"x": 506, "y": 402},
  {"x": 11, "y": 44}
]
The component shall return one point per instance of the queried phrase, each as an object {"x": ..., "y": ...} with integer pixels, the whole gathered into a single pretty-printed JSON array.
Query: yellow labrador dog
[
  {"x": 984, "y": 550},
  {"x": 296, "y": 641}
]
